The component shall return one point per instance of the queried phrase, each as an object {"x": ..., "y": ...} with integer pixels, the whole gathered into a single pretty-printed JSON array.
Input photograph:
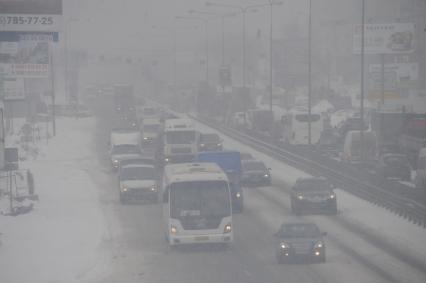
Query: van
[
  {"x": 420, "y": 179},
  {"x": 352, "y": 147}
]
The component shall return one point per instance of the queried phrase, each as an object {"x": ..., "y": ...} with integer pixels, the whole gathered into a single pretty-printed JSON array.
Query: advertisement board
[
  {"x": 397, "y": 76},
  {"x": 30, "y": 61},
  {"x": 13, "y": 89},
  {"x": 393, "y": 38}
]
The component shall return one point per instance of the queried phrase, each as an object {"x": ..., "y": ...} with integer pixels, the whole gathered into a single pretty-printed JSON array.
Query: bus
[
  {"x": 180, "y": 141},
  {"x": 197, "y": 204},
  {"x": 296, "y": 126}
]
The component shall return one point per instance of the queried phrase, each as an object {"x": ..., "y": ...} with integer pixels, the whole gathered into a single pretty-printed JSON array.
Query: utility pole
[{"x": 310, "y": 74}]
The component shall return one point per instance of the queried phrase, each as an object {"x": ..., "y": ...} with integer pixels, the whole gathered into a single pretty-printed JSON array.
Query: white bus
[
  {"x": 180, "y": 141},
  {"x": 296, "y": 126},
  {"x": 197, "y": 204}
]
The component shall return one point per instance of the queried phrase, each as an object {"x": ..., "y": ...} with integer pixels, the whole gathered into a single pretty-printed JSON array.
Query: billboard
[
  {"x": 394, "y": 38},
  {"x": 13, "y": 89},
  {"x": 28, "y": 58},
  {"x": 397, "y": 76}
]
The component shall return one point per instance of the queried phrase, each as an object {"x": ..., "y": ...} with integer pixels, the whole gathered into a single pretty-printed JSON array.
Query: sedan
[
  {"x": 255, "y": 172},
  {"x": 210, "y": 142},
  {"x": 313, "y": 194},
  {"x": 300, "y": 241},
  {"x": 393, "y": 165}
]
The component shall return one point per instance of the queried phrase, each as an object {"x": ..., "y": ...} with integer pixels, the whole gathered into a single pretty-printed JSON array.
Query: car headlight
[
  {"x": 332, "y": 196},
  {"x": 319, "y": 245},
  {"x": 300, "y": 197},
  {"x": 284, "y": 246},
  {"x": 166, "y": 160},
  {"x": 153, "y": 189},
  {"x": 202, "y": 145},
  {"x": 124, "y": 189},
  {"x": 238, "y": 195},
  {"x": 227, "y": 229},
  {"x": 173, "y": 230},
  {"x": 219, "y": 144},
  {"x": 115, "y": 161},
  {"x": 145, "y": 138},
  {"x": 266, "y": 175}
]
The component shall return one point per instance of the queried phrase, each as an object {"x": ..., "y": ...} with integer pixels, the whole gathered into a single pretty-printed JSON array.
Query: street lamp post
[
  {"x": 310, "y": 73},
  {"x": 362, "y": 79}
]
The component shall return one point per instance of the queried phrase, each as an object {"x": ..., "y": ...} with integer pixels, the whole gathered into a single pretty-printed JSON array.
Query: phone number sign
[{"x": 25, "y": 22}]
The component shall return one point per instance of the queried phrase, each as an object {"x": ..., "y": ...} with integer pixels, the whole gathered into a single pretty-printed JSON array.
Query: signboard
[
  {"x": 28, "y": 22},
  {"x": 394, "y": 38},
  {"x": 396, "y": 77},
  {"x": 31, "y": 59},
  {"x": 13, "y": 88}
]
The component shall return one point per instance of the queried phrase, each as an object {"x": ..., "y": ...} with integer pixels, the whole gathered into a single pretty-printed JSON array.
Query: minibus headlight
[
  {"x": 173, "y": 230},
  {"x": 227, "y": 229}
]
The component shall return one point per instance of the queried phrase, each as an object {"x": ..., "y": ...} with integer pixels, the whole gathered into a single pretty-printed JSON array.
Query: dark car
[
  {"x": 313, "y": 194},
  {"x": 329, "y": 142},
  {"x": 255, "y": 172},
  {"x": 210, "y": 142},
  {"x": 393, "y": 165},
  {"x": 300, "y": 241}
]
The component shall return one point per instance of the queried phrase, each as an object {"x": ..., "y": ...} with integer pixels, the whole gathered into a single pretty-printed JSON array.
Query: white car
[{"x": 138, "y": 181}]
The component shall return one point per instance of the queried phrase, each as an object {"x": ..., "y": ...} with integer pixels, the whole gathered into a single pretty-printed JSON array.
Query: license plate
[{"x": 201, "y": 238}]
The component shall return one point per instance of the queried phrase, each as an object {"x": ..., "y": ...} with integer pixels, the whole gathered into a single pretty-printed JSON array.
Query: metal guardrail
[{"x": 402, "y": 206}]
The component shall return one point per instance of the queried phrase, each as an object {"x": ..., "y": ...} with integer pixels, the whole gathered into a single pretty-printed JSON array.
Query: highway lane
[{"x": 135, "y": 249}]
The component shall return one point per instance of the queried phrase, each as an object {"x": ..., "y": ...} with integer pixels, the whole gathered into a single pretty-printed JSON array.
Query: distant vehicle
[
  {"x": 141, "y": 160},
  {"x": 127, "y": 121},
  {"x": 124, "y": 144},
  {"x": 313, "y": 194},
  {"x": 148, "y": 112},
  {"x": 210, "y": 142},
  {"x": 413, "y": 136},
  {"x": 393, "y": 165},
  {"x": 124, "y": 101},
  {"x": 138, "y": 181},
  {"x": 151, "y": 130},
  {"x": 255, "y": 172},
  {"x": 420, "y": 179},
  {"x": 260, "y": 120},
  {"x": 300, "y": 241},
  {"x": 230, "y": 162},
  {"x": 123, "y": 151},
  {"x": 352, "y": 152},
  {"x": 238, "y": 120},
  {"x": 197, "y": 205},
  {"x": 296, "y": 127},
  {"x": 180, "y": 141},
  {"x": 351, "y": 124},
  {"x": 329, "y": 142}
]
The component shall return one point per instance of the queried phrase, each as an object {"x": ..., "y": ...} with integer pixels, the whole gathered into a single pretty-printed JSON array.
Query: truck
[
  {"x": 124, "y": 101},
  {"x": 124, "y": 143},
  {"x": 230, "y": 162}
]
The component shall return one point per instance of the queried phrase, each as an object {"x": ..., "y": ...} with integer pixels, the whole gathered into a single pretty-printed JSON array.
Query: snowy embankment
[{"x": 58, "y": 240}]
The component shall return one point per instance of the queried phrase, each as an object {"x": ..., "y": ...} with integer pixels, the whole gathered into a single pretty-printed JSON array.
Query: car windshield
[
  {"x": 125, "y": 149},
  {"x": 312, "y": 185},
  {"x": 200, "y": 199},
  {"x": 209, "y": 138},
  {"x": 147, "y": 161},
  {"x": 137, "y": 173},
  {"x": 180, "y": 137},
  {"x": 299, "y": 231},
  {"x": 247, "y": 166},
  {"x": 151, "y": 128}
]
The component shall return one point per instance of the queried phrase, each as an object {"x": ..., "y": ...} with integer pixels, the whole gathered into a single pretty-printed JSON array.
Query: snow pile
[{"x": 58, "y": 240}]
